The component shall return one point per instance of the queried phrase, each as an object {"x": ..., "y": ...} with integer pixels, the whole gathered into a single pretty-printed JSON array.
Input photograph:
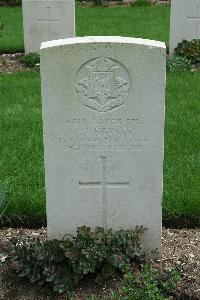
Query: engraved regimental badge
[{"x": 102, "y": 84}]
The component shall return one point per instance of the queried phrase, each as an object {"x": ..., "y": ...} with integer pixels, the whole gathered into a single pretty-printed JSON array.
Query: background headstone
[
  {"x": 103, "y": 119},
  {"x": 184, "y": 22},
  {"x": 47, "y": 20}
]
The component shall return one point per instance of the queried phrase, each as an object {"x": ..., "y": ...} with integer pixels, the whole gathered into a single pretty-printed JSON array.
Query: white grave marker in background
[
  {"x": 103, "y": 120},
  {"x": 46, "y": 20},
  {"x": 184, "y": 22}
]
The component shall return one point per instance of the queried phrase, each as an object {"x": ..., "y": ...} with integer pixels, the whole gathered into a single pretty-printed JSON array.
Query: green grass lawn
[
  {"x": 22, "y": 195},
  {"x": 21, "y": 162},
  {"x": 150, "y": 22},
  {"x": 181, "y": 205},
  {"x": 21, "y": 148},
  {"x": 11, "y": 39}
]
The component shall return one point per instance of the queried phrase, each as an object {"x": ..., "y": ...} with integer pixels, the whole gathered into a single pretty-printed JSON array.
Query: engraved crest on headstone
[{"x": 102, "y": 84}]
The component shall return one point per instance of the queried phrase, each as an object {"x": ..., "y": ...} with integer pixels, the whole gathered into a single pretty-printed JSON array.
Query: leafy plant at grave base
[
  {"x": 148, "y": 284},
  {"x": 92, "y": 297},
  {"x": 178, "y": 64},
  {"x": 30, "y": 60},
  {"x": 98, "y": 2},
  {"x": 189, "y": 50},
  {"x": 62, "y": 264}
]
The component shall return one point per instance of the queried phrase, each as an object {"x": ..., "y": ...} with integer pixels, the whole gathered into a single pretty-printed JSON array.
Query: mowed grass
[
  {"x": 22, "y": 194},
  {"x": 11, "y": 38},
  {"x": 151, "y": 22},
  {"x": 21, "y": 148},
  {"x": 21, "y": 162},
  {"x": 181, "y": 204}
]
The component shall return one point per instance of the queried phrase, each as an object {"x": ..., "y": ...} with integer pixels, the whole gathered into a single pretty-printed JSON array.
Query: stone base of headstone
[
  {"x": 159, "y": 2},
  {"x": 129, "y": 1}
]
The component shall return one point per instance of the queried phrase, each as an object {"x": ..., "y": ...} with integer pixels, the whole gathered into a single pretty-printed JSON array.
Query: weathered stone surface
[
  {"x": 184, "y": 22},
  {"x": 103, "y": 114},
  {"x": 46, "y": 20}
]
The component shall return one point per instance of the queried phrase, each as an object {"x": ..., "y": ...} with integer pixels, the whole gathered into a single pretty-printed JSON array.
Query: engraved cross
[
  {"x": 104, "y": 184},
  {"x": 48, "y": 20},
  {"x": 196, "y": 19}
]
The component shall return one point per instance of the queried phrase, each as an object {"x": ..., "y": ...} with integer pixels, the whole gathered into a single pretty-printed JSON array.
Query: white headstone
[
  {"x": 103, "y": 117},
  {"x": 46, "y": 20},
  {"x": 184, "y": 22}
]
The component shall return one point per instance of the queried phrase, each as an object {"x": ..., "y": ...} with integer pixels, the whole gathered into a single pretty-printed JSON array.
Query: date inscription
[{"x": 104, "y": 134}]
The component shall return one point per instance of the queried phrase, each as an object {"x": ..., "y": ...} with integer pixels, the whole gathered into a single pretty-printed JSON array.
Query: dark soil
[
  {"x": 180, "y": 250},
  {"x": 10, "y": 63}
]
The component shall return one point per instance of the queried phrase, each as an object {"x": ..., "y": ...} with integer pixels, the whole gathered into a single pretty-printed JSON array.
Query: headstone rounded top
[{"x": 103, "y": 39}]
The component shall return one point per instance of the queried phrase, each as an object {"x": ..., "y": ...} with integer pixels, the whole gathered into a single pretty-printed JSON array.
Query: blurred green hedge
[
  {"x": 10, "y": 2},
  {"x": 19, "y": 2}
]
